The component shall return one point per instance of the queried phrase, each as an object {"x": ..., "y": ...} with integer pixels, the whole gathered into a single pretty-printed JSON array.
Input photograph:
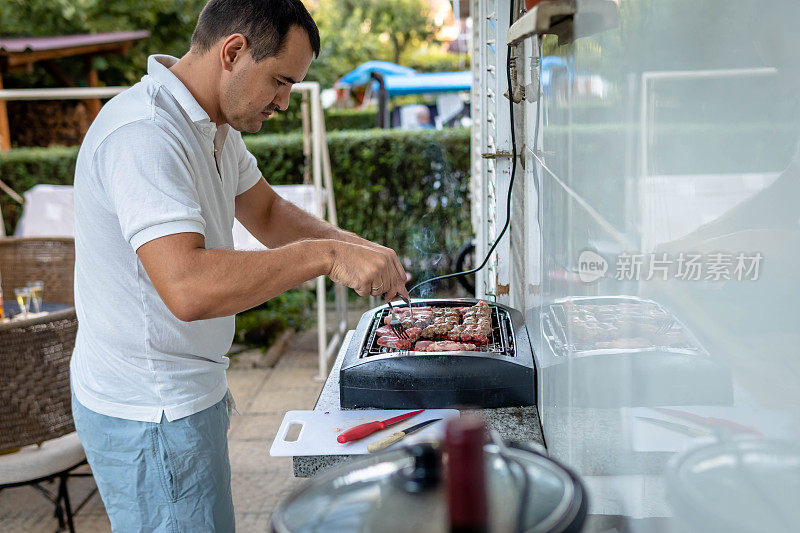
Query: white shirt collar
[{"x": 158, "y": 69}]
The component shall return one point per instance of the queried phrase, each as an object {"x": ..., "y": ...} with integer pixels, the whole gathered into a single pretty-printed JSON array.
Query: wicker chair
[
  {"x": 35, "y": 399},
  {"x": 51, "y": 260}
]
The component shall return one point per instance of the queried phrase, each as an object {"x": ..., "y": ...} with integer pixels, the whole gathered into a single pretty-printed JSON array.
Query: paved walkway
[{"x": 258, "y": 481}]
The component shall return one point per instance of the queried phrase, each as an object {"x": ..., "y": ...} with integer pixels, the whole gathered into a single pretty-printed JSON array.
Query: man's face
[{"x": 252, "y": 90}]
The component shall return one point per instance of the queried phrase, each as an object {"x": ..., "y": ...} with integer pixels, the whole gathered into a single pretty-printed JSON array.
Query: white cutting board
[{"x": 319, "y": 429}]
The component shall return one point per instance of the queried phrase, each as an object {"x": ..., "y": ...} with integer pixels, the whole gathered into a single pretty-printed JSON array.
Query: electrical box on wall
[{"x": 558, "y": 17}]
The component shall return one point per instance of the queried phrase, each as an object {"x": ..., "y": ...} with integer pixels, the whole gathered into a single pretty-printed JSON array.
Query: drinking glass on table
[
  {"x": 23, "y": 295},
  {"x": 36, "y": 288}
]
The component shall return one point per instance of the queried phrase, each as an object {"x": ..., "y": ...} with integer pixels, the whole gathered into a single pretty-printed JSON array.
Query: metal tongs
[
  {"x": 395, "y": 323},
  {"x": 408, "y": 303}
]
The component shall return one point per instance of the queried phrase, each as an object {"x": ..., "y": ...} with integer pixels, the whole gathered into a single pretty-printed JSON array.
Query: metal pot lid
[
  {"x": 373, "y": 494},
  {"x": 740, "y": 485}
]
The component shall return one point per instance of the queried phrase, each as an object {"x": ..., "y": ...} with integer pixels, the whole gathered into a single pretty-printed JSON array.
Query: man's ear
[{"x": 233, "y": 49}]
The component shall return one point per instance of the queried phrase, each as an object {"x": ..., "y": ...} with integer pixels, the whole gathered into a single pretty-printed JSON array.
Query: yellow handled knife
[{"x": 398, "y": 436}]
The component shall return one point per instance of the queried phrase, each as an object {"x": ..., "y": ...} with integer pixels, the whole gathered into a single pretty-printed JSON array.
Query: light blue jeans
[{"x": 172, "y": 477}]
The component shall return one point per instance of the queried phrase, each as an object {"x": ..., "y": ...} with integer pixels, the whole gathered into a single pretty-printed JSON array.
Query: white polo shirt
[{"x": 146, "y": 169}]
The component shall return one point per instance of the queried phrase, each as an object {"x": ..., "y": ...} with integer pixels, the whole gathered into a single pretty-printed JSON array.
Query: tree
[
  {"x": 354, "y": 31},
  {"x": 347, "y": 39},
  {"x": 405, "y": 22},
  {"x": 170, "y": 23}
]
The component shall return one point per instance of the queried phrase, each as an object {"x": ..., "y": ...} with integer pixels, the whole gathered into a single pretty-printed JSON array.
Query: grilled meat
[
  {"x": 416, "y": 322},
  {"x": 444, "y": 328},
  {"x": 384, "y": 330},
  {"x": 389, "y": 341},
  {"x": 469, "y": 334},
  {"x": 455, "y": 333},
  {"x": 412, "y": 333},
  {"x": 422, "y": 346},
  {"x": 422, "y": 317},
  {"x": 476, "y": 325},
  {"x": 438, "y": 329},
  {"x": 449, "y": 346}
]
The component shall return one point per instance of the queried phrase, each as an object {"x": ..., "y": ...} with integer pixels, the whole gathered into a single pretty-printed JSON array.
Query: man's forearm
[
  {"x": 286, "y": 223},
  {"x": 225, "y": 282}
]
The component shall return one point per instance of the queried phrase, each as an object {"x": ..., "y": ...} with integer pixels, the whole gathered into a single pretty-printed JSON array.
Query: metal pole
[
  {"x": 306, "y": 139},
  {"x": 71, "y": 93},
  {"x": 340, "y": 290},
  {"x": 317, "y": 141},
  {"x": 328, "y": 177},
  {"x": 383, "y": 100}
]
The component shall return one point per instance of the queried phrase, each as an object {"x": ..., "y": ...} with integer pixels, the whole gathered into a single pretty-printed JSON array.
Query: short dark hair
[{"x": 264, "y": 23}]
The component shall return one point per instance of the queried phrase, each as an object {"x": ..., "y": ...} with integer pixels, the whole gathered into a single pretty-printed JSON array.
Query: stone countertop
[{"x": 512, "y": 423}]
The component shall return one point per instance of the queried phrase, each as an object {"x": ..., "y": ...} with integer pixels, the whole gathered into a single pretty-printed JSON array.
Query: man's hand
[
  {"x": 368, "y": 269},
  {"x": 357, "y": 263}
]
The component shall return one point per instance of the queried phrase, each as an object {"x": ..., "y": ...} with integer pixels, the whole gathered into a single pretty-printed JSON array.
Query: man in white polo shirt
[{"x": 160, "y": 176}]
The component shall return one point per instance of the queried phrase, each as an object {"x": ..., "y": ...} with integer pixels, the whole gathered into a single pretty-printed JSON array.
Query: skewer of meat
[
  {"x": 416, "y": 322},
  {"x": 477, "y": 325}
]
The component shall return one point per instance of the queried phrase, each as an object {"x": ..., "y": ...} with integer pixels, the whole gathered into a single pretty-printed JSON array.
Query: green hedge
[
  {"x": 408, "y": 190},
  {"x": 351, "y": 119},
  {"x": 260, "y": 326},
  {"x": 373, "y": 167}
]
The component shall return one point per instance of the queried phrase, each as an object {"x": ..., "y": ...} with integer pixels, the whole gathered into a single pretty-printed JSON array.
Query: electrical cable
[
  {"x": 510, "y": 182},
  {"x": 539, "y": 96}
]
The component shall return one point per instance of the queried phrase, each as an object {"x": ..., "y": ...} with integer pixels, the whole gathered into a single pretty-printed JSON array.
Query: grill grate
[{"x": 501, "y": 338}]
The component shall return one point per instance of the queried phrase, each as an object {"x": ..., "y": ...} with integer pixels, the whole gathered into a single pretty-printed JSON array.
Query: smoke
[
  {"x": 436, "y": 237},
  {"x": 424, "y": 241}
]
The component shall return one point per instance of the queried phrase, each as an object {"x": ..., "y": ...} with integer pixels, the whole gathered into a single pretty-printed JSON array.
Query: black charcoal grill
[{"x": 498, "y": 374}]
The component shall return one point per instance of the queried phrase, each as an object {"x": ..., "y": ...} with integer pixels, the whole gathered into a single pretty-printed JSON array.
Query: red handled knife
[{"x": 362, "y": 430}]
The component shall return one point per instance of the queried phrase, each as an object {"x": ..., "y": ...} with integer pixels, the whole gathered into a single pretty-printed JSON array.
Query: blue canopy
[
  {"x": 361, "y": 74},
  {"x": 402, "y": 80},
  {"x": 550, "y": 64},
  {"x": 433, "y": 82}
]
